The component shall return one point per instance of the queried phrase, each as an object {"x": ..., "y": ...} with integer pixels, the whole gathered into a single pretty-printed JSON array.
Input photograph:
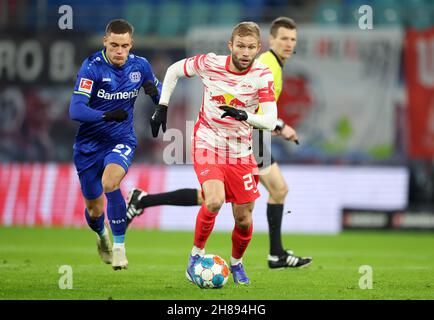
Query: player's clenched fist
[
  {"x": 237, "y": 114},
  {"x": 158, "y": 118},
  {"x": 117, "y": 115}
]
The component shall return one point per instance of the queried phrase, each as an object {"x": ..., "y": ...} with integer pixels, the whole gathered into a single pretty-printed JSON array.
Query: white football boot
[
  {"x": 119, "y": 258},
  {"x": 104, "y": 246}
]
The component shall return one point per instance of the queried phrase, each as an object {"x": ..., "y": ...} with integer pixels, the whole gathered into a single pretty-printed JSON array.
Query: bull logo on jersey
[
  {"x": 135, "y": 76},
  {"x": 229, "y": 100}
]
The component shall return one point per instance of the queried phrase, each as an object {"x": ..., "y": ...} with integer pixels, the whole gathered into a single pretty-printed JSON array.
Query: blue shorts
[{"x": 90, "y": 167}]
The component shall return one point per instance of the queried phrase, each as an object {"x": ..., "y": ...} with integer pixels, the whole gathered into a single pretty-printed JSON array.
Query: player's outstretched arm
[
  {"x": 159, "y": 118},
  {"x": 174, "y": 72}
]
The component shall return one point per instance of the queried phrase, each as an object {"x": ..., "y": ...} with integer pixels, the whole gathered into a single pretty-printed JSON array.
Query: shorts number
[
  {"x": 122, "y": 146},
  {"x": 248, "y": 182}
]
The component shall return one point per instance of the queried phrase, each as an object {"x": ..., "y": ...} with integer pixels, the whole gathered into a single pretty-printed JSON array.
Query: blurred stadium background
[{"x": 361, "y": 100}]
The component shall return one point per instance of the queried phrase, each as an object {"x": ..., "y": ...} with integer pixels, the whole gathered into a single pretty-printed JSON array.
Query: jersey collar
[
  {"x": 104, "y": 56},
  {"x": 111, "y": 64},
  {"x": 228, "y": 61},
  {"x": 277, "y": 58}
]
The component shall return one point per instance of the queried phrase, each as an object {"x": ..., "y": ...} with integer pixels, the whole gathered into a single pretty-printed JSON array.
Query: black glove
[
  {"x": 150, "y": 88},
  {"x": 158, "y": 118},
  {"x": 117, "y": 115},
  {"x": 237, "y": 114}
]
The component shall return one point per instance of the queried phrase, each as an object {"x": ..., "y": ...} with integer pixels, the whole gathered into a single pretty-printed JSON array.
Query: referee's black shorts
[{"x": 262, "y": 154}]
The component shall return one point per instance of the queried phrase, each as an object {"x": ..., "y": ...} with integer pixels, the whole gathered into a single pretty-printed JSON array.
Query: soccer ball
[{"x": 211, "y": 271}]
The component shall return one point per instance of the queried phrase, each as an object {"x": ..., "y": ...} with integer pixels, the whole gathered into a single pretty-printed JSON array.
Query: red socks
[
  {"x": 204, "y": 224},
  {"x": 240, "y": 240}
]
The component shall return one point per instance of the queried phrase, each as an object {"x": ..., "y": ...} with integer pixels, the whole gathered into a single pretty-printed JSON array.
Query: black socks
[
  {"x": 180, "y": 197},
  {"x": 274, "y": 217}
]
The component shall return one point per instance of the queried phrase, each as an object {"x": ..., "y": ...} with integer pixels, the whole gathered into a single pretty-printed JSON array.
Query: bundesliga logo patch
[
  {"x": 135, "y": 76},
  {"x": 85, "y": 85}
]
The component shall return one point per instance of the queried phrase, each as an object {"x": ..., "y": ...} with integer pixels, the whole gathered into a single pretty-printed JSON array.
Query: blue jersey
[{"x": 108, "y": 88}]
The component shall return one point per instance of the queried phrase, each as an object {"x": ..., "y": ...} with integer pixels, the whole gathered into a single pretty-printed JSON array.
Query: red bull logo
[
  {"x": 219, "y": 99},
  {"x": 229, "y": 100},
  {"x": 237, "y": 103}
]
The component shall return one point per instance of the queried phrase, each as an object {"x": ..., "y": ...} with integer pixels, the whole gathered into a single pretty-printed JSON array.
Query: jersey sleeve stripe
[
  {"x": 198, "y": 61},
  {"x": 185, "y": 69},
  {"x": 83, "y": 93}
]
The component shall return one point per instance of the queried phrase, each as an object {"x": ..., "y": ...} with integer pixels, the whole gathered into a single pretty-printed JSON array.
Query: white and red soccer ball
[{"x": 211, "y": 271}]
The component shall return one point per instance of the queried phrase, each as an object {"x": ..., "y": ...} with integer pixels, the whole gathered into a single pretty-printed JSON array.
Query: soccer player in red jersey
[
  {"x": 234, "y": 86},
  {"x": 282, "y": 40}
]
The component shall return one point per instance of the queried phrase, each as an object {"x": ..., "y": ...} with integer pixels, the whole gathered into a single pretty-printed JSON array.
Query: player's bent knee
[
  {"x": 95, "y": 211},
  {"x": 109, "y": 185},
  {"x": 244, "y": 223},
  {"x": 213, "y": 204}
]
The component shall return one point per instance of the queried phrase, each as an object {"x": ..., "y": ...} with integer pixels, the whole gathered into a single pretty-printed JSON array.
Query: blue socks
[
  {"x": 97, "y": 224},
  {"x": 117, "y": 215}
]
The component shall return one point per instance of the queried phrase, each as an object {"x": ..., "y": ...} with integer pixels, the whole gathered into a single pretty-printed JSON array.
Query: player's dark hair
[
  {"x": 246, "y": 28},
  {"x": 284, "y": 22},
  {"x": 119, "y": 26}
]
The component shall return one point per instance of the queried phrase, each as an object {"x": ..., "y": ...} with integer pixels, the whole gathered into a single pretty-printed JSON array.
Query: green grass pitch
[{"x": 30, "y": 258}]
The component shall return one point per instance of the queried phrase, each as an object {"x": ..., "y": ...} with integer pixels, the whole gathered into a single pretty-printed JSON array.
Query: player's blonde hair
[{"x": 246, "y": 28}]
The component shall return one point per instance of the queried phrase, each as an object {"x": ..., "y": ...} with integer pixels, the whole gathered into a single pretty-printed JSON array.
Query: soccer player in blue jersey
[{"x": 107, "y": 86}]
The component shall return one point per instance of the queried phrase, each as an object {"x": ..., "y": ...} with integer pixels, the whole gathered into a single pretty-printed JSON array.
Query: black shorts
[{"x": 262, "y": 154}]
